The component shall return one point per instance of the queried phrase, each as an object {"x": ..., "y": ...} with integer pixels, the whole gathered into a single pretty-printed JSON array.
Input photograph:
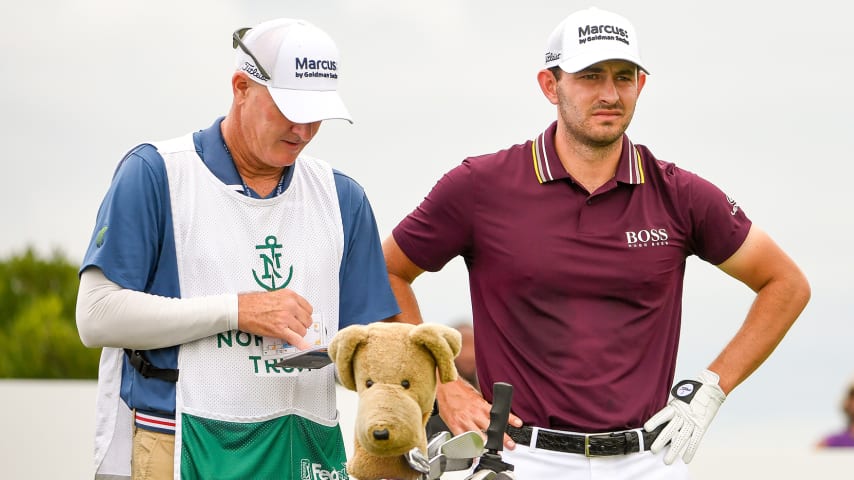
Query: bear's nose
[{"x": 381, "y": 434}]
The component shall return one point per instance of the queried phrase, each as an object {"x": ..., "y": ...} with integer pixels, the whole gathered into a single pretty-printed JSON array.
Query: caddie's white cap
[
  {"x": 301, "y": 63},
  {"x": 591, "y": 36}
]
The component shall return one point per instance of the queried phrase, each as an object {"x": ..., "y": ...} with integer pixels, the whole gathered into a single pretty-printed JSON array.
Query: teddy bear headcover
[{"x": 394, "y": 368}]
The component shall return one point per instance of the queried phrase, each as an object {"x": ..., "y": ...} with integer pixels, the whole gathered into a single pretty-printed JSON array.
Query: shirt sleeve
[
  {"x": 441, "y": 227},
  {"x": 719, "y": 224},
  {"x": 131, "y": 223},
  {"x": 365, "y": 293}
]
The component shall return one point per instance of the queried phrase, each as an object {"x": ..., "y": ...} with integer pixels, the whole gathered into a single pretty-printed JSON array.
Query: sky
[{"x": 753, "y": 96}]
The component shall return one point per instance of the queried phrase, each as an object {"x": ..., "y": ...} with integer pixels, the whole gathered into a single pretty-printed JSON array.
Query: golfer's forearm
[
  {"x": 409, "y": 310},
  {"x": 775, "y": 309},
  {"x": 111, "y": 316}
]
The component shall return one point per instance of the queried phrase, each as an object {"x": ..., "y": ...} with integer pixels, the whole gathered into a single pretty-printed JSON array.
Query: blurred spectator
[
  {"x": 845, "y": 438},
  {"x": 465, "y": 363}
]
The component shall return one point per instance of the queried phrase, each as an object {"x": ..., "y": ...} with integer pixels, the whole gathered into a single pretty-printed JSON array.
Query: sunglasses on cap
[{"x": 237, "y": 41}]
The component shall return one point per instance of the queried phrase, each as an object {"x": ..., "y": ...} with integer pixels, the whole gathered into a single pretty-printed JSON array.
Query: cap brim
[
  {"x": 307, "y": 106},
  {"x": 580, "y": 62}
]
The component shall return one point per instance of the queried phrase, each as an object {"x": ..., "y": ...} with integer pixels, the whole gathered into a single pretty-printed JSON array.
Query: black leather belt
[{"x": 591, "y": 445}]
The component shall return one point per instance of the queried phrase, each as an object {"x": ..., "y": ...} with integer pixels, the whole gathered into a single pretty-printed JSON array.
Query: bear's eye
[
  {"x": 369, "y": 383},
  {"x": 405, "y": 384}
]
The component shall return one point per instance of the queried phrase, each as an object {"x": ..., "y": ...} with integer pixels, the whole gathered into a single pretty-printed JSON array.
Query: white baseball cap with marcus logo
[
  {"x": 299, "y": 64},
  {"x": 591, "y": 36}
]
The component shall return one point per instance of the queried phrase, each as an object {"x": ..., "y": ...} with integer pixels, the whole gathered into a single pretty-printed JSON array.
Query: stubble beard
[
  {"x": 584, "y": 132},
  {"x": 594, "y": 137}
]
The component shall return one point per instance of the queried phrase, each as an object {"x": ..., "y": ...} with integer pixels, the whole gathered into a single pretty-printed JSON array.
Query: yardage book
[
  {"x": 289, "y": 356},
  {"x": 315, "y": 357}
]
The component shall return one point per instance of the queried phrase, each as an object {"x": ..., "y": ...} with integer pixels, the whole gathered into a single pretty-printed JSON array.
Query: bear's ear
[
  {"x": 342, "y": 348},
  {"x": 443, "y": 343}
]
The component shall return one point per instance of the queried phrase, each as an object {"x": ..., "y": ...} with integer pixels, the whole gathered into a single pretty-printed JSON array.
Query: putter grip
[{"x": 502, "y": 394}]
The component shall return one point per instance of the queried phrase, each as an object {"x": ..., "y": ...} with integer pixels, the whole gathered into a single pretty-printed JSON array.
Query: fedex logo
[{"x": 315, "y": 471}]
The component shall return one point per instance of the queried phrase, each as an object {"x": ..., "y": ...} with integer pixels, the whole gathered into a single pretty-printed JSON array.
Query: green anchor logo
[{"x": 271, "y": 266}]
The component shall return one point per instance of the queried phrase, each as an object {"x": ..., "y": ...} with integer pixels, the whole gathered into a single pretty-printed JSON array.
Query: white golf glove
[{"x": 689, "y": 414}]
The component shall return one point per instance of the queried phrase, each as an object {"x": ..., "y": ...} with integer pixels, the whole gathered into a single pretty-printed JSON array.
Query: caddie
[{"x": 216, "y": 249}]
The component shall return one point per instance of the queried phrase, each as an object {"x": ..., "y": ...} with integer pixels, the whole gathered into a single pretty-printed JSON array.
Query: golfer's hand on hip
[{"x": 688, "y": 415}]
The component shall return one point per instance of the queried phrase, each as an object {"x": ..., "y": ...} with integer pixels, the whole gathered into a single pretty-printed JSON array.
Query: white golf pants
[{"x": 539, "y": 464}]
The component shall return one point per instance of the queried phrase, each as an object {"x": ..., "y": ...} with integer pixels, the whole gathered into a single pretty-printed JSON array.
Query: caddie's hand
[
  {"x": 281, "y": 314},
  {"x": 464, "y": 409},
  {"x": 688, "y": 416}
]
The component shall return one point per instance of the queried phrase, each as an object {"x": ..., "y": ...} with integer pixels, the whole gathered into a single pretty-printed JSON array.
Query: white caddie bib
[{"x": 228, "y": 242}]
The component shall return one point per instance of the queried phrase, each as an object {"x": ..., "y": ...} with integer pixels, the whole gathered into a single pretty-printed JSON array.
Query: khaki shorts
[{"x": 153, "y": 455}]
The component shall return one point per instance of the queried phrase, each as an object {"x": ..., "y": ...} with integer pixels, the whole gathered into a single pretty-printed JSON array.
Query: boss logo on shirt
[{"x": 652, "y": 237}]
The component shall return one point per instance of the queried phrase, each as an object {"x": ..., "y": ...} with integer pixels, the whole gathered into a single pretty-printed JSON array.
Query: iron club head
[
  {"x": 436, "y": 442},
  {"x": 465, "y": 445},
  {"x": 457, "y": 464},
  {"x": 484, "y": 474},
  {"x": 437, "y": 466},
  {"x": 417, "y": 461}
]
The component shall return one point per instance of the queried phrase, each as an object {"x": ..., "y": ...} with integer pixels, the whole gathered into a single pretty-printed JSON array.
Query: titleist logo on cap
[{"x": 253, "y": 70}]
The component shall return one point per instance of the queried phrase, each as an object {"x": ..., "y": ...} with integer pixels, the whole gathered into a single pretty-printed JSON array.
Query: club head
[
  {"x": 484, "y": 474},
  {"x": 465, "y": 445},
  {"x": 437, "y": 466},
  {"x": 436, "y": 442},
  {"x": 417, "y": 461},
  {"x": 458, "y": 464}
]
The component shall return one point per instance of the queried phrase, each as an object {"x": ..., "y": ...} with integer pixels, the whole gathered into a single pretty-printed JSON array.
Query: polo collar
[
  {"x": 547, "y": 166},
  {"x": 210, "y": 145}
]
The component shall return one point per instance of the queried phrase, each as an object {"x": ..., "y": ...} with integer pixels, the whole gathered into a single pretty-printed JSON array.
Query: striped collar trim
[
  {"x": 547, "y": 166},
  {"x": 630, "y": 169},
  {"x": 544, "y": 156}
]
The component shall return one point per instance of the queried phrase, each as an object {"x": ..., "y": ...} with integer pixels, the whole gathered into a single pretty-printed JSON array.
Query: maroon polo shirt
[{"x": 576, "y": 298}]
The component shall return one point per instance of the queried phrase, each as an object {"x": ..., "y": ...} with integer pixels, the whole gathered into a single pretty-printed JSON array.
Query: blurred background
[{"x": 751, "y": 95}]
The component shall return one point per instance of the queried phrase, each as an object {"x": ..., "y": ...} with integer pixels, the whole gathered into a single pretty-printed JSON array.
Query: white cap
[
  {"x": 303, "y": 64},
  {"x": 592, "y": 36}
]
